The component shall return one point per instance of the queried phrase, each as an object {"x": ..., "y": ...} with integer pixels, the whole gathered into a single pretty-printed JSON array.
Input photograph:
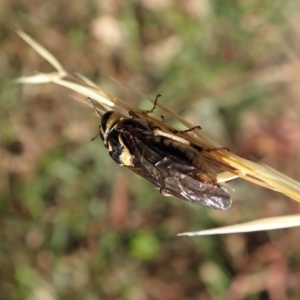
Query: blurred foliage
[{"x": 76, "y": 226}]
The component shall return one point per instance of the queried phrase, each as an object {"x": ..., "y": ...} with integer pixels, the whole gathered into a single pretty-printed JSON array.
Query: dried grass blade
[
  {"x": 42, "y": 51},
  {"x": 257, "y": 225}
]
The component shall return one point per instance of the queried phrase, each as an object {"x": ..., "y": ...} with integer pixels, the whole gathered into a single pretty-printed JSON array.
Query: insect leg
[
  {"x": 158, "y": 132},
  {"x": 164, "y": 192},
  {"x": 154, "y": 106},
  {"x": 134, "y": 115}
]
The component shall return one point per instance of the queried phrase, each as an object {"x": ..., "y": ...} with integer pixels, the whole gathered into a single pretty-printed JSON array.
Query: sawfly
[{"x": 157, "y": 154}]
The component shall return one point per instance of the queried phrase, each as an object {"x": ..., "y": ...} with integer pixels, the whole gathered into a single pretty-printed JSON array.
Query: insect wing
[
  {"x": 181, "y": 183},
  {"x": 174, "y": 168}
]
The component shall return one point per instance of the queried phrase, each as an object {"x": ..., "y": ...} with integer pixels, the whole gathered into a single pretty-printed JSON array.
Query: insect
[{"x": 170, "y": 162}]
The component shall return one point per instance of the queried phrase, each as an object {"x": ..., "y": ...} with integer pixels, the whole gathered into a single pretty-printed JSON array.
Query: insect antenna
[
  {"x": 98, "y": 113},
  {"x": 95, "y": 108}
]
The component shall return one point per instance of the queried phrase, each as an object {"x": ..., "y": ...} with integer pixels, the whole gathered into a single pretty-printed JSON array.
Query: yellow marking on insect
[
  {"x": 172, "y": 136},
  {"x": 109, "y": 147},
  {"x": 126, "y": 157},
  {"x": 111, "y": 123}
]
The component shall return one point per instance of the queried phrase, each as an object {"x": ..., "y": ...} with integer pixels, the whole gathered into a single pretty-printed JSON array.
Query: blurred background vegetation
[{"x": 73, "y": 224}]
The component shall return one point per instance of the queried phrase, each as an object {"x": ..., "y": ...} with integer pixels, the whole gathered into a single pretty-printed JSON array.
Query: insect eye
[
  {"x": 105, "y": 121},
  {"x": 108, "y": 122}
]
